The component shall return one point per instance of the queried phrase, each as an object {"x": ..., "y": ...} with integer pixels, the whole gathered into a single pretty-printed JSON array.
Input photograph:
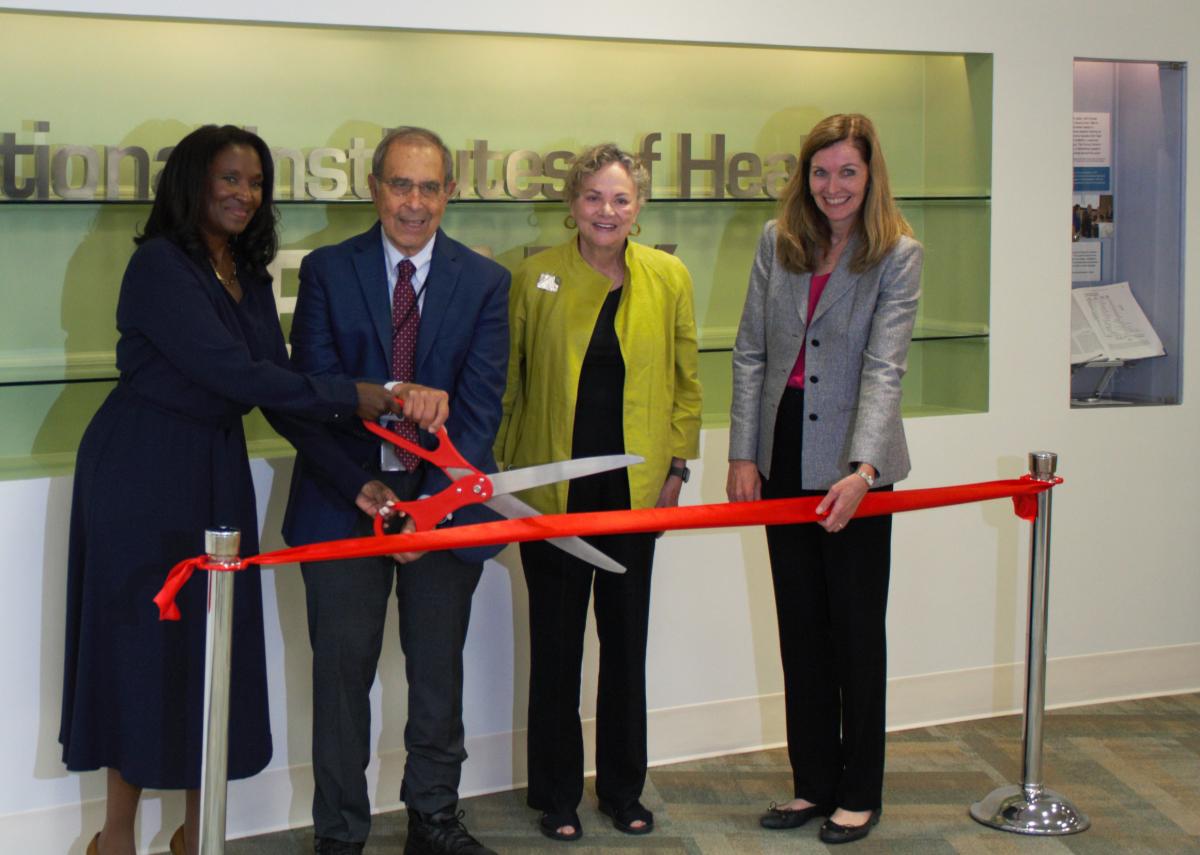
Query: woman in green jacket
[{"x": 603, "y": 361}]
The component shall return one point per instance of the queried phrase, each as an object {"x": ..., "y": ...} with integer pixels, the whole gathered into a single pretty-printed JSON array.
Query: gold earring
[
  {"x": 636, "y": 230},
  {"x": 569, "y": 221}
]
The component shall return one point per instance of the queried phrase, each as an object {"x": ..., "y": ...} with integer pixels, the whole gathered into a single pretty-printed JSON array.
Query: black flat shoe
[
  {"x": 833, "y": 833},
  {"x": 777, "y": 818},
  {"x": 623, "y": 819},
  {"x": 550, "y": 823}
]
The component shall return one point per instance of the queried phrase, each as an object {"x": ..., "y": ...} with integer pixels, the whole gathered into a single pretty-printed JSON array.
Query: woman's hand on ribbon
[
  {"x": 743, "y": 483},
  {"x": 841, "y": 502}
]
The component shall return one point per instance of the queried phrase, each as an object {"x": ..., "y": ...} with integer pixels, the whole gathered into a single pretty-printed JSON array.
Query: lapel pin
[{"x": 548, "y": 282}]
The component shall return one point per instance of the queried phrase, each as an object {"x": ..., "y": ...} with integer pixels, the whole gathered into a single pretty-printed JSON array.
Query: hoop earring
[
  {"x": 636, "y": 230},
  {"x": 569, "y": 221}
]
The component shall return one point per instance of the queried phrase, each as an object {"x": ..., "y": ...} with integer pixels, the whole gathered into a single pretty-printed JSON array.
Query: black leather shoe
[
  {"x": 329, "y": 846},
  {"x": 832, "y": 833},
  {"x": 441, "y": 833},
  {"x": 777, "y": 818}
]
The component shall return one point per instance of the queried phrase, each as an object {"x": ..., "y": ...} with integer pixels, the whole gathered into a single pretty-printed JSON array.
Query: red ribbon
[
  {"x": 1025, "y": 505},
  {"x": 1023, "y": 491},
  {"x": 177, "y": 578}
]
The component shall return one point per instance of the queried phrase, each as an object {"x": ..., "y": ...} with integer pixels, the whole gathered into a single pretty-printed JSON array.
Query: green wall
[{"x": 118, "y": 82}]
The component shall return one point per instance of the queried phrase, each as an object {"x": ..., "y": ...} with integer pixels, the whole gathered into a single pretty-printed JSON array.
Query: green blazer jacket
[{"x": 553, "y": 306}]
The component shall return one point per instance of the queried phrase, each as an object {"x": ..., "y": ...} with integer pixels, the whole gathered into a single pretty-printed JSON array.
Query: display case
[
  {"x": 1127, "y": 233},
  {"x": 702, "y": 113}
]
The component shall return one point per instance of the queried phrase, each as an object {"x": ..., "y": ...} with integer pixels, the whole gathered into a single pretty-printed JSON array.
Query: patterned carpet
[{"x": 1133, "y": 767}]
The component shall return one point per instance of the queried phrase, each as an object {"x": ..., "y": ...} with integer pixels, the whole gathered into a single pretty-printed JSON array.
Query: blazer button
[
  {"x": 816, "y": 342},
  {"x": 812, "y": 417},
  {"x": 812, "y": 379}
]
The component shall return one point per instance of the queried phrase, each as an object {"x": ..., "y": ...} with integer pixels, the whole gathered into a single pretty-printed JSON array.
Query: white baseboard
[
  {"x": 281, "y": 797},
  {"x": 1094, "y": 678}
]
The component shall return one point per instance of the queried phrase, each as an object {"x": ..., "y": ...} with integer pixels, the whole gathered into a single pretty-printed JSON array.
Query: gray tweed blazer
[{"x": 856, "y": 354}]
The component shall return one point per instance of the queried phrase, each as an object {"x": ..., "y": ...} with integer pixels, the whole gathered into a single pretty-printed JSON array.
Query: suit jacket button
[
  {"x": 816, "y": 342},
  {"x": 812, "y": 379},
  {"x": 812, "y": 417}
]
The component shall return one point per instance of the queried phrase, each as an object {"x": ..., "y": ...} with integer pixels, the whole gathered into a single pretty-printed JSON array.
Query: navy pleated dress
[{"x": 163, "y": 459}]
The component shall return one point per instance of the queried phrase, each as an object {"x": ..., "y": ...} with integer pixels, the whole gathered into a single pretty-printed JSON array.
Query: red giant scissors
[{"x": 470, "y": 486}]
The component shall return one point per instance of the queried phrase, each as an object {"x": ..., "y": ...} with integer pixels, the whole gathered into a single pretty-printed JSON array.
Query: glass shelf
[{"x": 84, "y": 246}]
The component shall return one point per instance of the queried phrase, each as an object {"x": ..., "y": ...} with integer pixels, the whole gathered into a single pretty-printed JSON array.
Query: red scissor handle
[{"x": 473, "y": 488}]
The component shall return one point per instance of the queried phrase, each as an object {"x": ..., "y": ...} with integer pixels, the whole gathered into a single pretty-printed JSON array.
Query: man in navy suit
[{"x": 343, "y": 324}]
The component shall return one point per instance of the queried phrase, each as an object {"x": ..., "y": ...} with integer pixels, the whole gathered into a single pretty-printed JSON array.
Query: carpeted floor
[{"x": 1133, "y": 767}]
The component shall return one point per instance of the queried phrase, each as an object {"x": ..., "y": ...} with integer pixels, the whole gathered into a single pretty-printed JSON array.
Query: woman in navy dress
[{"x": 165, "y": 458}]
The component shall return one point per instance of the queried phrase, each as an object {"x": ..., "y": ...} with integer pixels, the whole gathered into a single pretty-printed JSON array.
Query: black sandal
[
  {"x": 550, "y": 823},
  {"x": 623, "y": 819}
]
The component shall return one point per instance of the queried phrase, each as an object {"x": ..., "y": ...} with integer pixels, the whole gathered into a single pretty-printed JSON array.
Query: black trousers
[
  {"x": 560, "y": 587},
  {"x": 347, "y": 608},
  {"x": 831, "y": 602}
]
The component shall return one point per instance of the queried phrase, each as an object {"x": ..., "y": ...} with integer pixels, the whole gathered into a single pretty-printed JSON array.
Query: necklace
[{"x": 228, "y": 283}]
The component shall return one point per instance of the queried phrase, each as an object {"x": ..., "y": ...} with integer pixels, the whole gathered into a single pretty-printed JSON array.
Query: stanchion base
[{"x": 1043, "y": 812}]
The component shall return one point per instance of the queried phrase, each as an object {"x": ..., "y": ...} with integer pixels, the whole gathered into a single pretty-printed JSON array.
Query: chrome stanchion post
[
  {"x": 1031, "y": 808},
  {"x": 222, "y": 545}
]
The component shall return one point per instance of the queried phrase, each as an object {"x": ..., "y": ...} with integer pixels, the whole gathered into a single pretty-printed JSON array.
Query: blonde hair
[
  {"x": 592, "y": 160},
  {"x": 802, "y": 231}
]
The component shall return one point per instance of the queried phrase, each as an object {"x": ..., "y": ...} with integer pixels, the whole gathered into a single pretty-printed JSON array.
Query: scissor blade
[
  {"x": 515, "y": 480},
  {"x": 515, "y": 509},
  {"x": 585, "y": 552}
]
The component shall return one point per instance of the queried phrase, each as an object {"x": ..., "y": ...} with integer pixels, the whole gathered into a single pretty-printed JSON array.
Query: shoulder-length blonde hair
[{"x": 802, "y": 232}]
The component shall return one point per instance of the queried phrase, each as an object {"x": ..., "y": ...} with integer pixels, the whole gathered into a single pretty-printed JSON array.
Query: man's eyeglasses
[{"x": 403, "y": 186}]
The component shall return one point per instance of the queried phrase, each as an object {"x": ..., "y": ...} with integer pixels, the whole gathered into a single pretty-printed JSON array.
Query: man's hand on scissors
[
  {"x": 374, "y": 497},
  {"x": 407, "y": 557},
  {"x": 391, "y": 517},
  {"x": 426, "y": 406}
]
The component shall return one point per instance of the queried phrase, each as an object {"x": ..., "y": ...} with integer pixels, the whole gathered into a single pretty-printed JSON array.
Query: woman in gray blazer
[{"x": 817, "y": 365}]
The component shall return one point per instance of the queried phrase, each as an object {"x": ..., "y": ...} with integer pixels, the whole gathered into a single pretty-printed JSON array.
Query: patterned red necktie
[{"x": 406, "y": 321}]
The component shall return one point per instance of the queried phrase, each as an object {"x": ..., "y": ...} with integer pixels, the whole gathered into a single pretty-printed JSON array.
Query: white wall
[{"x": 1125, "y": 590}]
